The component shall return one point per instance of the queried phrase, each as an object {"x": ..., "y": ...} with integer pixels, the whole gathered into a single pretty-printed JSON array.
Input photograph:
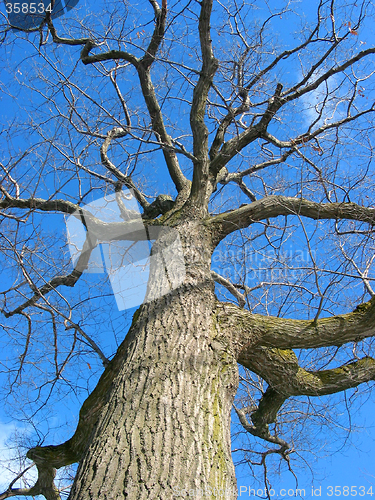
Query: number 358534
[{"x": 28, "y": 8}]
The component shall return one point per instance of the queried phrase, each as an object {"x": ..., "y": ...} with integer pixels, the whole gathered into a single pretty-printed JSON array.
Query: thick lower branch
[
  {"x": 274, "y": 206},
  {"x": 280, "y": 369},
  {"x": 248, "y": 329}
]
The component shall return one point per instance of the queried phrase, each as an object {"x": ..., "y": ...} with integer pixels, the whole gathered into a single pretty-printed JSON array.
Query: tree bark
[{"x": 166, "y": 425}]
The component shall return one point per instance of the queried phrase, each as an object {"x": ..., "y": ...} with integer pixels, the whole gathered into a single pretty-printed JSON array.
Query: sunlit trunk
[{"x": 166, "y": 426}]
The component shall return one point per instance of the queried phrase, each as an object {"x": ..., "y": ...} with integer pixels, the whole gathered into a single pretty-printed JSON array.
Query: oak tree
[{"x": 240, "y": 130}]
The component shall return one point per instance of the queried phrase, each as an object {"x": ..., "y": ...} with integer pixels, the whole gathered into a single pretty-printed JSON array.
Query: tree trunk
[{"x": 166, "y": 425}]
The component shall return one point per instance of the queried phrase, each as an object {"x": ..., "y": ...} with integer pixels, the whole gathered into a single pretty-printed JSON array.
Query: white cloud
[
  {"x": 323, "y": 103},
  {"x": 10, "y": 464}
]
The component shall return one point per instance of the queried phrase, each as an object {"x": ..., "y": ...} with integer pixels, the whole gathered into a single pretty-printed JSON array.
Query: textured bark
[{"x": 166, "y": 424}]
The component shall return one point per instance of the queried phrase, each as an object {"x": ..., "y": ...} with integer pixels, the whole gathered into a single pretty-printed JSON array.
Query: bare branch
[
  {"x": 48, "y": 457},
  {"x": 273, "y": 206},
  {"x": 44, "y": 486},
  {"x": 125, "y": 180},
  {"x": 280, "y": 369},
  {"x": 282, "y": 333},
  {"x": 229, "y": 286},
  {"x": 198, "y": 108},
  {"x": 238, "y": 176},
  {"x": 159, "y": 129},
  {"x": 158, "y": 34},
  {"x": 67, "y": 280},
  {"x": 305, "y": 138},
  {"x": 110, "y": 55},
  {"x": 296, "y": 92},
  {"x": 63, "y": 206},
  {"x": 129, "y": 231},
  {"x": 264, "y": 415},
  {"x": 233, "y": 146}
]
